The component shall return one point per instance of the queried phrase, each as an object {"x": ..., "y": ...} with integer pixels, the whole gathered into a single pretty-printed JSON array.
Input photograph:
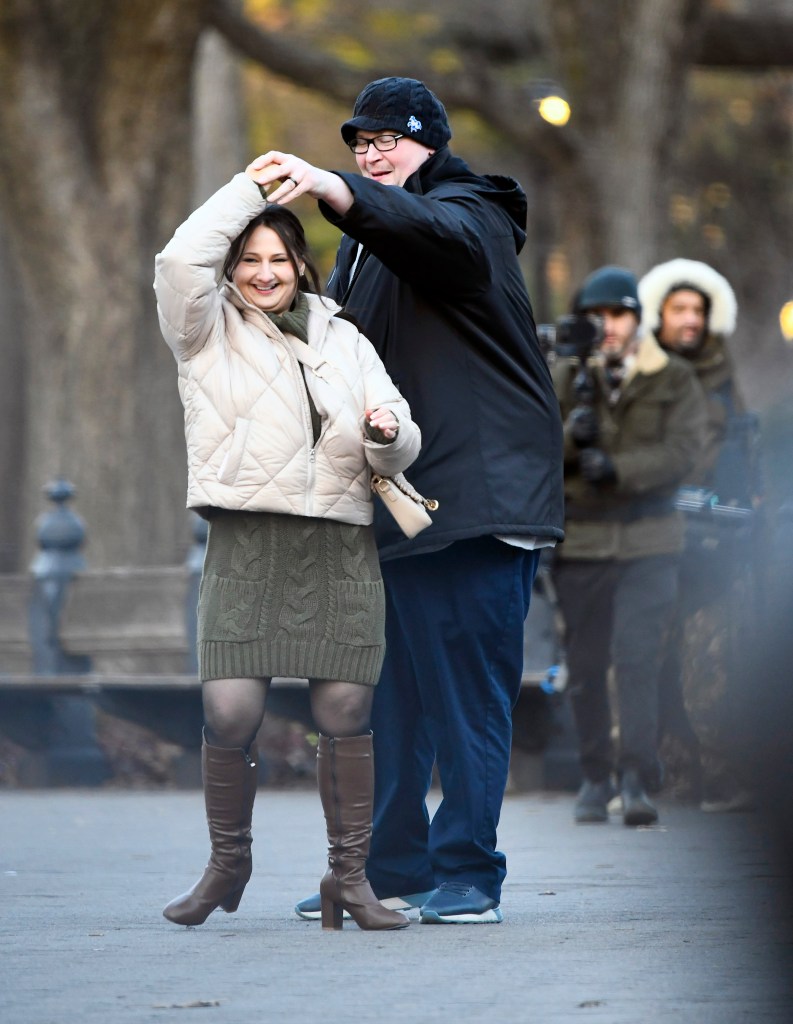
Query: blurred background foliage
[
  {"x": 679, "y": 143},
  {"x": 728, "y": 195}
]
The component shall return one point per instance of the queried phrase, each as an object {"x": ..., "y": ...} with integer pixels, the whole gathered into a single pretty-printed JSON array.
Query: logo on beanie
[{"x": 414, "y": 124}]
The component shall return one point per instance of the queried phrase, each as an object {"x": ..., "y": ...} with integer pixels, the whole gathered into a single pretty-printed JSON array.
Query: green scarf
[{"x": 295, "y": 321}]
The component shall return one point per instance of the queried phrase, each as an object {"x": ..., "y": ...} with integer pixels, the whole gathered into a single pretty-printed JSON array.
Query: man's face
[
  {"x": 619, "y": 331},
  {"x": 683, "y": 321},
  {"x": 396, "y": 165}
]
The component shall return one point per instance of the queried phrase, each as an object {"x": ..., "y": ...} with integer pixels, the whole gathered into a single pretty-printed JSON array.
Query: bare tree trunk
[
  {"x": 96, "y": 175},
  {"x": 626, "y": 73},
  {"x": 219, "y": 136},
  {"x": 12, "y": 404}
]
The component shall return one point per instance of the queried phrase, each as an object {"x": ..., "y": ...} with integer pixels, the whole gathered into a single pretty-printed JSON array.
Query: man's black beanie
[
  {"x": 400, "y": 105},
  {"x": 608, "y": 287}
]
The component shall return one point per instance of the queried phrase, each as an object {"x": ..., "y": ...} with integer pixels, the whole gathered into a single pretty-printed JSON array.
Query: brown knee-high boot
[
  {"x": 230, "y": 779},
  {"x": 345, "y": 772}
]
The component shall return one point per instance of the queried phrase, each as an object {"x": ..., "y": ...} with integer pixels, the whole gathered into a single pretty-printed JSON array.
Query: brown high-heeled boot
[
  {"x": 230, "y": 779},
  {"x": 345, "y": 772}
]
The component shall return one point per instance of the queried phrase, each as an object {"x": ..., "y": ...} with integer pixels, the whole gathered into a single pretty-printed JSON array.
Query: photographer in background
[{"x": 634, "y": 426}]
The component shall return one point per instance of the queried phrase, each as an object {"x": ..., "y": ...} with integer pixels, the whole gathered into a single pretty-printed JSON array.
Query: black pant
[{"x": 616, "y": 613}]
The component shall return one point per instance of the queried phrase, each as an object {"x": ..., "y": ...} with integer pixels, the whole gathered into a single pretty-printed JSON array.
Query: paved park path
[{"x": 680, "y": 923}]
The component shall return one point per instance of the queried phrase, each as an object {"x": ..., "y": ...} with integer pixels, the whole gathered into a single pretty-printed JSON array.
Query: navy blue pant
[{"x": 454, "y": 659}]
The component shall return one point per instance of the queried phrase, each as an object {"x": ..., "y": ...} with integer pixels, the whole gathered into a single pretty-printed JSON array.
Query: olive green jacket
[{"x": 653, "y": 434}]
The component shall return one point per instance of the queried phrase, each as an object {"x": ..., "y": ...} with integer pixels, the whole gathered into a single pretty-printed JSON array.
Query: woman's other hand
[{"x": 381, "y": 425}]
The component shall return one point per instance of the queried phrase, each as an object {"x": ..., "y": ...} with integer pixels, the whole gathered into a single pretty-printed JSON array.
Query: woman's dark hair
[{"x": 289, "y": 229}]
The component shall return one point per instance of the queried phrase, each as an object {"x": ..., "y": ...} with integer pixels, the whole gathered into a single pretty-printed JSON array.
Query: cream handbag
[
  {"x": 404, "y": 503},
  {"x": 402, "y": 500}
]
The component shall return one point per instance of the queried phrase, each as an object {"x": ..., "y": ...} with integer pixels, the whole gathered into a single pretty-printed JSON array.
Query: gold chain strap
[{"x": 429, "y": 503}]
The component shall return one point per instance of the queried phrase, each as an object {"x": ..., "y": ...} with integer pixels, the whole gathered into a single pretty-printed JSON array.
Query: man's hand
[
  {"x": 596, "y": 466},
  {"x": 583, "y": 425},
  {"x": 296, "y": 177}
]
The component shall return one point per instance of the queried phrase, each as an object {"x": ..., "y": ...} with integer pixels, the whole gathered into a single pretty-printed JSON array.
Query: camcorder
[{"x": 576, "y": 336}]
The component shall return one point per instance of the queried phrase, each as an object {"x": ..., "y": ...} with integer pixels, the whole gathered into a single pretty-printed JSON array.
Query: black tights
[{"x": 234, "y": 709}]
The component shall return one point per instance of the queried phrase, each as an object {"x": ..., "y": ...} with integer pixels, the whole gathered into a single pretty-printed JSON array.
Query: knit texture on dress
[{"x": 290, "y": 596}]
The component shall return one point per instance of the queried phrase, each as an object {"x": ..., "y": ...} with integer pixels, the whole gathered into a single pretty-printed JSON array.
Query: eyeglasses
[{"x": 382, "y": 143}]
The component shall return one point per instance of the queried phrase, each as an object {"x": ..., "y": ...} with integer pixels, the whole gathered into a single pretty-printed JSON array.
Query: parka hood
[
  {"x": 667, "y": 277},
  {"x": 443, "y": 165}
]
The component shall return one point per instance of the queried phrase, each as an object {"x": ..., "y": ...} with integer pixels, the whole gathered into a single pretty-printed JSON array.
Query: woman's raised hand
[{"x": 296, "y": 177}]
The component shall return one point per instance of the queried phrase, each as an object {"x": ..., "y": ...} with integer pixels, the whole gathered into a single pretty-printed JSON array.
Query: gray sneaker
[
  {"x": 592, "y": 802},
  {"x": 310, "y": 908},
  {"x": 460, "y": 903}
]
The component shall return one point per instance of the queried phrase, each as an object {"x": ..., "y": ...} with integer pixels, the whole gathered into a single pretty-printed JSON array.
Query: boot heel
[
  {"x": 232, "y": 901},
  {"x": 332, "y": 915}
]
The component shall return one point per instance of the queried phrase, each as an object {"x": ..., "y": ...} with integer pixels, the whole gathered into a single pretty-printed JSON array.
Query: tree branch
[
  {"x": 745, "y": 42},
  {"x": 505, "y": 108},
  {"x": 286, "y": 57}
]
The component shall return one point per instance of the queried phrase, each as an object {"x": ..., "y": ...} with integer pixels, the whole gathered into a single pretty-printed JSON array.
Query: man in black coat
[{"x": 428, "y": 267}]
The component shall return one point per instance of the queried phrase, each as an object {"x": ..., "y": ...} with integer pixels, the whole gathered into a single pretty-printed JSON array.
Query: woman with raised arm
[{"x": 288, "y": 411}]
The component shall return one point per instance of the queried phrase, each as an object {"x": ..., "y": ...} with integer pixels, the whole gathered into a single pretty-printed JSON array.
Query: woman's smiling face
[{"x": 265, "y": 274}]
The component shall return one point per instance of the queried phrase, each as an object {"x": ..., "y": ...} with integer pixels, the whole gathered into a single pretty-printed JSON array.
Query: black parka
[
  {"x": 439, "y": 292},
  {"x": 725, "y": 407}
]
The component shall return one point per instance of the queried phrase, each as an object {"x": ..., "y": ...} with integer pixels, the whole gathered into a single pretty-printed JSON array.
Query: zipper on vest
[
  {"x": 302, "y": 390},
  {"x": 312, "y": 472}
]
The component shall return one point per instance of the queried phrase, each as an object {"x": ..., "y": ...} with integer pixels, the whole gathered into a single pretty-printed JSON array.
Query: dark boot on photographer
[
  {"x": 592, "y": 802},
  {"x": 636, "y": 806}
]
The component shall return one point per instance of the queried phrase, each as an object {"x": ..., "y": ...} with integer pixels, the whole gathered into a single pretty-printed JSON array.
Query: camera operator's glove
[
  {"x": 596, "y": 466},
  {"x": 583, "y": 425}
]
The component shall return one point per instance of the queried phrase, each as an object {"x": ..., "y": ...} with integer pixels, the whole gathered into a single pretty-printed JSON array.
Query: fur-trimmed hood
[{"x": 666, "y": 277}]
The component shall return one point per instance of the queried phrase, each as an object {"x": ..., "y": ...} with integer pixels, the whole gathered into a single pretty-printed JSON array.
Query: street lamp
[
  {"x": 551, "y": 102},
  {"x": 786, "y": 321}
]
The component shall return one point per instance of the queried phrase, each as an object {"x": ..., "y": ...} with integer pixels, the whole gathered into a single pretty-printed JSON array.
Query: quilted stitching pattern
[{"x": 246, "y": 419}]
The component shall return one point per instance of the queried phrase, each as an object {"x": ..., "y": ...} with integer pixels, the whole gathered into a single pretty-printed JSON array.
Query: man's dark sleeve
[{"x": 439, "y": 239}]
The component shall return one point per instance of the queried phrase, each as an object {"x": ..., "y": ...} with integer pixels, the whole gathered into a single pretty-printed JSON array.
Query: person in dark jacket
[
  {"x": 428, "y": 268},
  {"x": 626, "y": 453},
  {"x": 692, "y": 311}
]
